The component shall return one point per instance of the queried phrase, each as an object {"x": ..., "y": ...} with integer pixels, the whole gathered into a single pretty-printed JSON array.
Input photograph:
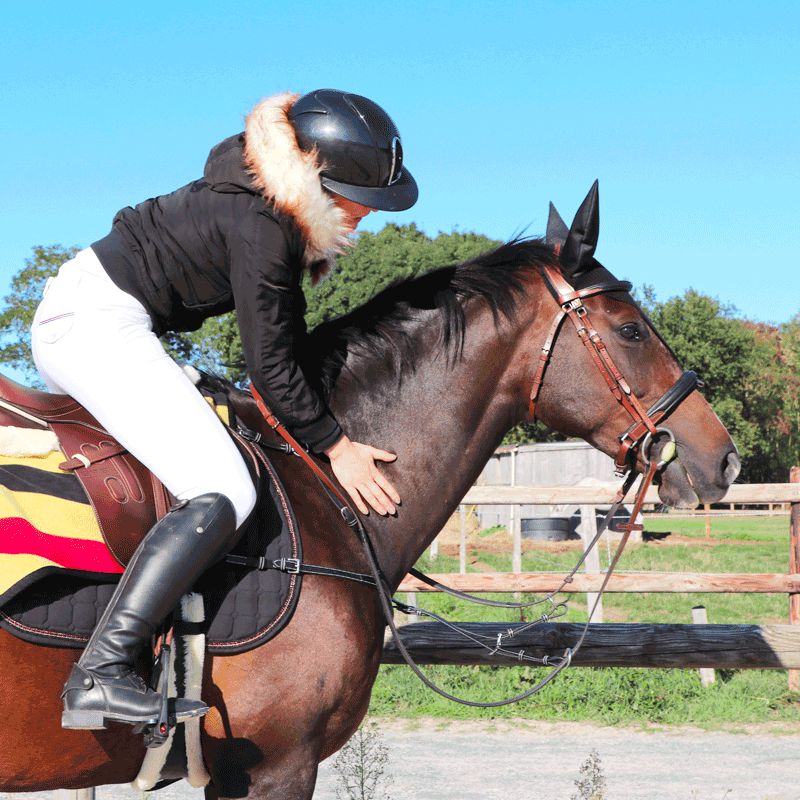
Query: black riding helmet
[{"x": 359, "y": 147}]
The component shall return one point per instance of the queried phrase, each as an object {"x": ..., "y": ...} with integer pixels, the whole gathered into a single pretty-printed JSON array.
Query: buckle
[
  {"x": 246, "y": 433},
  {"x": 576, "y": 305},
  {"x": 348, "y": 516},
  {"x": 289, "y": 565}
]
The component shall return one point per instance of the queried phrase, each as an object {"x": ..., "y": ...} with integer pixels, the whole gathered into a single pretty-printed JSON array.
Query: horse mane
[{"x": 380, "y": 329}]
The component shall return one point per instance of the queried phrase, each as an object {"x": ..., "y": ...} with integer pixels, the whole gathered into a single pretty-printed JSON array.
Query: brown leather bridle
[{"x": 645, "y": 428}]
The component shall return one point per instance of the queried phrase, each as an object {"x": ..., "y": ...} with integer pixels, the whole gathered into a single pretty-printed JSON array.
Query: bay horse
[{"x": 436, "y": 369}]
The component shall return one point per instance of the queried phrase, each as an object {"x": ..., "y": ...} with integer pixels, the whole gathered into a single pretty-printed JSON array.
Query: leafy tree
[
  {"x": 379, "y": 259},
  {"x": 787, "y": 425},
  {"x": 746, "y": 377},
  {"x": 20, "y": 306}
]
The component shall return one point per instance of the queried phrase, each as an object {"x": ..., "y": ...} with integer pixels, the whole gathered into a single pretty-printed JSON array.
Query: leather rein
[{"x": 638, "y": 437}]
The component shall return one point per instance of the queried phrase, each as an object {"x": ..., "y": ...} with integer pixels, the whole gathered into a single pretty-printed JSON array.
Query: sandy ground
[{"x": 528, "y": 760}]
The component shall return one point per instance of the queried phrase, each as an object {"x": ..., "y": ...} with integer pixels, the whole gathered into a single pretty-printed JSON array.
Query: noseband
[{"x": 644, "y": 429}]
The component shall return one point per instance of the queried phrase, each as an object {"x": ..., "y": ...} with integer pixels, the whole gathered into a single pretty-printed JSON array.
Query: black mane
[{"x": 380, "y": 328}]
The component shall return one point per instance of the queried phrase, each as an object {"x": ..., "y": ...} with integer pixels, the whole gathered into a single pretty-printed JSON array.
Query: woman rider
[{"x": 274, "y": 201}]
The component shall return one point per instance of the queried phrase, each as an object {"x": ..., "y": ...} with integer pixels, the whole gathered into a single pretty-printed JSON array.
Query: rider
[{"x": 274, "y": 201}]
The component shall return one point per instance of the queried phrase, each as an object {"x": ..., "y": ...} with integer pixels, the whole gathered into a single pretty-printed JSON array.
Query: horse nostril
[{"x": 732, "y": 468}]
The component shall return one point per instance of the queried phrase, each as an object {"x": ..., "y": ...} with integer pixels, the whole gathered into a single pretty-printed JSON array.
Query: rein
[{"x": 639, "y": 437}]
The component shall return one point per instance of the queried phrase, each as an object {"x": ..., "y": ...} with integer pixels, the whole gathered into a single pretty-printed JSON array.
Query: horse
[{"x": 437, "y": 369}]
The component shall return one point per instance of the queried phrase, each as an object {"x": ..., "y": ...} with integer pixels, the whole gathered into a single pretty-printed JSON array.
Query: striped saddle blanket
[
  {"x": 46, "y": 524},
  {"x": 57, "y": 573}
]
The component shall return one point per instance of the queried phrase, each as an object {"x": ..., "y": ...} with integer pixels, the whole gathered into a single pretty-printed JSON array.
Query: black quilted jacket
[{"x": 215, "y": 245}]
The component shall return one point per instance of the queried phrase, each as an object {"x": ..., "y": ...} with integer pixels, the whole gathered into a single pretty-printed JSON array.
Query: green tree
[
  {"x": 379, "y": 259},
  {"x": 20, "y": 305},
  {"x": 787, "y": 427},
  {"x": 746, "y": 377}
]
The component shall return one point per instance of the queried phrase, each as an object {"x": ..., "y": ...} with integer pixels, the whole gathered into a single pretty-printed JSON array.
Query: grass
[{"x": 616, "y": 695}]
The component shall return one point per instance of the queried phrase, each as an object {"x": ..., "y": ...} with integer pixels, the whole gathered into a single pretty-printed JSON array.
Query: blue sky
[{"x": 687, "y": 112}]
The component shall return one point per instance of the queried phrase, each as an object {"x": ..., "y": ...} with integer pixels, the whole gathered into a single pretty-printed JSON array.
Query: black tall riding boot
[{"x": 178, "y": 549}]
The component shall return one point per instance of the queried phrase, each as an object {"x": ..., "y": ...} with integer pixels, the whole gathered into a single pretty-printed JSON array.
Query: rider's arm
[
  {"x": 269, "y": 309},
  {"x": 266, "y": 293}
]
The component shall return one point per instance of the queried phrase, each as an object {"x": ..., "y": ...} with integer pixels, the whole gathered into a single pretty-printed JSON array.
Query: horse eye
[{"x": 632, "y": 332}]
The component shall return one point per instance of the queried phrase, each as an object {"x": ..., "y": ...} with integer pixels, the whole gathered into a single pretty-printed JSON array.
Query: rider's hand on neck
[{"x": 354, "y": 466}]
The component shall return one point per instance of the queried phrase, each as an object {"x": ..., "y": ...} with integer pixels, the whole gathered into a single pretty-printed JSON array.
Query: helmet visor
[{"x": 398, "y": 196}]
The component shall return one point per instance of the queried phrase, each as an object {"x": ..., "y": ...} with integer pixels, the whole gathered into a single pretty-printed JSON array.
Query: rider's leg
[
  {"x": 95, "y": 342},
  {"x": 103, "y": 685}
]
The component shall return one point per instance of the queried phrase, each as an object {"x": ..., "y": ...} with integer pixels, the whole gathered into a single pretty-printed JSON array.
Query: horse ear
[
  {"x": 557, "y": 229},
  {"x": 578, "y": 249}
]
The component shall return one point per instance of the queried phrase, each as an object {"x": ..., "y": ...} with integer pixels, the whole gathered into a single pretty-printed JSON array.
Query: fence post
[
  {"x": 411, "y": 599},
  {"x": 794, "y": 567},
  {"x": 700, "y": 617},
  {"x": 516, "y": 522},
  {"x": 74, "y": 794},
  {"x": 462, "y": 541},
  {"x": 588, "y": 532}
]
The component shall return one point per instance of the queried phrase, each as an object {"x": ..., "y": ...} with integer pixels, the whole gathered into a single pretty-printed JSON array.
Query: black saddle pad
[{"x": 244, "y": 607}]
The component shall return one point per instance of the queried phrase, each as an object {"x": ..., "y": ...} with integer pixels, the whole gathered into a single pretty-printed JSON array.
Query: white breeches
[{"x": 95, "y": 342}]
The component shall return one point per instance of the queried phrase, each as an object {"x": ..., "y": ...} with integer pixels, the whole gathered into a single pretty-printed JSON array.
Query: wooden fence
[
  {"x": 687, "y": 646},
  {"x": 610, "y": 645}
]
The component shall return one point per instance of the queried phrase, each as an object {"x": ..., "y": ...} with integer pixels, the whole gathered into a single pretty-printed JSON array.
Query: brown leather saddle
[{"x": 126, "y": 497}]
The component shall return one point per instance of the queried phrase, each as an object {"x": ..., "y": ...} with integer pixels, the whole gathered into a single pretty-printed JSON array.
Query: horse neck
[{"x": 443, "y": 421}]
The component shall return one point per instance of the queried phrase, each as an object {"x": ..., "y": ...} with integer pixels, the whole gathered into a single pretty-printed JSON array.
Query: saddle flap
[{"x": 126, "y": 498}]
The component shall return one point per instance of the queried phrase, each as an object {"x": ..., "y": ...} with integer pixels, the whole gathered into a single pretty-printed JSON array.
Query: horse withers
[{"x": 436, "y": 369}]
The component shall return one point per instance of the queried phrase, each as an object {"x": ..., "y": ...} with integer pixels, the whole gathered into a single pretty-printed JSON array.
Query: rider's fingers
[
  {"x": 356, "y": 498},
  {"x": 387, "y": 487},
  {"x": 375, "y": 497},
  {"x": 382, "y": 455}
]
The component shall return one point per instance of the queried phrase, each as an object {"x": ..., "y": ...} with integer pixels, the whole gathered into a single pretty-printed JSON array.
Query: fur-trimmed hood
[{"x": 267, "y": 159}]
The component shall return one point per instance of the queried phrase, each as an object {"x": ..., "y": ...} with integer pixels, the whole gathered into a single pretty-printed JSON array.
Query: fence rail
[
  {"x": 723, "y": 582},
  {"x": 743, "y": 493},
  {"x": 611, "y": 645}
]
